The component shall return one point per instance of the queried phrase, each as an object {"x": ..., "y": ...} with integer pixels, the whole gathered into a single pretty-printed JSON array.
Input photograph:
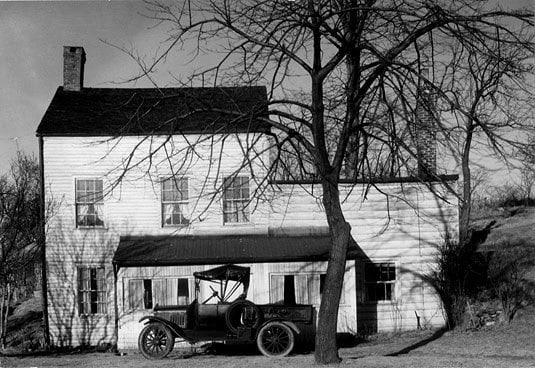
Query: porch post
[{"x": 116, "y": 306}]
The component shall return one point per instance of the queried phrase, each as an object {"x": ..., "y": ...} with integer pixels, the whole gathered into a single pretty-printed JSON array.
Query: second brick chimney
[
  {"x": 425, "y": 129},
  {"x": 73, "y": 68}
]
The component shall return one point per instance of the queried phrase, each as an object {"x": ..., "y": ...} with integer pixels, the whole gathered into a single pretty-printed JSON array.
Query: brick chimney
[
  {"x": 425, "y": 129},
  {"x": 73, "y": 68}
]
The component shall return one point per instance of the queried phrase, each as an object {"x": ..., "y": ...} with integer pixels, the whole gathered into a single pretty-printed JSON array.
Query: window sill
[
  {"x": 238, "y": 224},
  {"x": 93, "y": 315},
  {"x": 100, "y": 228},
  {"x": 379, "y": 302}
]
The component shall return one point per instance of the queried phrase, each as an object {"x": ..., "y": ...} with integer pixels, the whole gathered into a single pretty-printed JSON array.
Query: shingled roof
[
  {"x": 139, "y": 251},
  {"x": 141, "y": 111}
]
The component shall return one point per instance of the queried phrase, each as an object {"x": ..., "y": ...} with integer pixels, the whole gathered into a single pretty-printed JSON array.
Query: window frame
[
  {"x": 244, "y": 210},
  {"x": 308, "y": 275},
  {"x": 144, "y": 281},
  {"x": 180, "y": 202},
  {"x": 98, "y": 203},
  {"x": 393, "y": 283},
  {"x": 83, "y": 302}
]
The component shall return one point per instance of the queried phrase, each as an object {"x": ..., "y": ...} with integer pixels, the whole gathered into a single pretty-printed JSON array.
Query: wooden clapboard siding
[
  {"x": 395, "y": 224},
  {"x": 131, "y": 208},
  {"x": 404, "y": 226}
]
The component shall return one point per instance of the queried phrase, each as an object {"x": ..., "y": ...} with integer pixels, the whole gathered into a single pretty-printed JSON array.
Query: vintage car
[{"x": 271, "y": 326}]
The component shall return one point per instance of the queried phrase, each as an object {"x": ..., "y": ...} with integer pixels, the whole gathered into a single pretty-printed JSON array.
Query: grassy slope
[{"x": 513, "y": 227}]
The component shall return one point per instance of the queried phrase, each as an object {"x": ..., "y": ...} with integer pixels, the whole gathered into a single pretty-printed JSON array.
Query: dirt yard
[{"x": 493, "y": 347}]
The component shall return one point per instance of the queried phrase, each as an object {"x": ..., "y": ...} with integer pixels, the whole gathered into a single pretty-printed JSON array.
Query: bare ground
[{"x": 492, "y": 347}]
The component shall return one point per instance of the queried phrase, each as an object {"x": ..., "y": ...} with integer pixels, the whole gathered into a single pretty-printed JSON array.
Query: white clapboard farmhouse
[{"x": 116, "y": 248}]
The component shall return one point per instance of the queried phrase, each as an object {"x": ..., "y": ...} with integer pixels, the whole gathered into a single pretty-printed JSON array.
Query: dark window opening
[
  {"x": 147, "y": 294},
  {"x": 289, "y": 290}
]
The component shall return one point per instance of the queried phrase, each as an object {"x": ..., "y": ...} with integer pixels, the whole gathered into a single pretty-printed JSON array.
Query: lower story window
[
  {"x": 91, "y": 290},
  {"x": 379, "y": 281},
  {"x": 298, "y": 289},
  {"x": 147, "y": 293}
]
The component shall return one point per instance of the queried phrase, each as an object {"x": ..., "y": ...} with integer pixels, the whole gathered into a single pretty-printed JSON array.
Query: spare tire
[{"x": 243, "y": 313}]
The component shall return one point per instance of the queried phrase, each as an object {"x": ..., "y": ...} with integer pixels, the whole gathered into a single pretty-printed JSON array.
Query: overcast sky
[{"x": 32, "y": 36}]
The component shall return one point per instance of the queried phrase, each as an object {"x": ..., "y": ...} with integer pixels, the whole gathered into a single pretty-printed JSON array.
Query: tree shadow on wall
[{"x": 73, "y": 319}]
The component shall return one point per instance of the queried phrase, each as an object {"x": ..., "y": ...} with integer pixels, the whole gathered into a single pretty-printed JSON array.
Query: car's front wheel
[
  {"x": 275, "y": 339},
  {"x": 156, "y": 341}
]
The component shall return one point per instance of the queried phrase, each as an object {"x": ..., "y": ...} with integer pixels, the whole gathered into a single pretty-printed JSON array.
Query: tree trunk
[
  {"x": 326, "y": 351},
  {"x": 6, "y": 299},
  {"x": 2, "y": 334},
  {"x": 466, "y": 203}
]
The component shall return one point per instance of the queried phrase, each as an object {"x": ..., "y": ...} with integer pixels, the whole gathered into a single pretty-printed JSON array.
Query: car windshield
[{"x": 228, "y": 279}]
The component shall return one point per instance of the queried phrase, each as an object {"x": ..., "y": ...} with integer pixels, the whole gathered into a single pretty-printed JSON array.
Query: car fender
[
  {"x": 177, "y": 330},
  {"x": 291, "y": 325}
]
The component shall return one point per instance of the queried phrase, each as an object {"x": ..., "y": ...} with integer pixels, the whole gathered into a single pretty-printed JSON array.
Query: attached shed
[{"x": 286, "y": 269}]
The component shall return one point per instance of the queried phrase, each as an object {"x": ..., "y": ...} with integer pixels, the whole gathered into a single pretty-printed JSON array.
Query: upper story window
[
  {"x": 379, "y": 281},
  {"x": 89, "y": 202},
  {"x": 175, "y": 198},
  {"x": 235, "y": 200}
]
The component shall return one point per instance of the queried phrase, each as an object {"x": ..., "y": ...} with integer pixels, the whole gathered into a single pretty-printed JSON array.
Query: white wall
[
  {"x": 400, "y": 224},
  {"x": 133, "y": 207}
]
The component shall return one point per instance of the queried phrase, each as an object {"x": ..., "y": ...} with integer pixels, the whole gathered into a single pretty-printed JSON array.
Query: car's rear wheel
[
  {"x": 156, "y": 341},
  {"x": 275, "y": 339}
]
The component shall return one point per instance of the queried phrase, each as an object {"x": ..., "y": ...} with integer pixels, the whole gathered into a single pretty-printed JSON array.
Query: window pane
[
  {"x": 158, "y": 292},
  {"x": 91, "y": 290},
  {"x": 183, "y": 289},
  {"x": 184, "y": 190},
  {"x": 174, "y": 198},
  {"x": 388, "y": 292},
  {"x": 379, "y": 281},
  {"x": 135, "y": 294},
  {"x": 301, "y": 289},
  {"x": 314, "y": 289},
  {"x": 147, "y": 294},
  {"x": 167, "y": 196},
  {"x": 235, "y": 200},
  {"x": 391, "y": 273},
  {"x": 277, "y": 289},
  {"x": 89, "y": 196}
]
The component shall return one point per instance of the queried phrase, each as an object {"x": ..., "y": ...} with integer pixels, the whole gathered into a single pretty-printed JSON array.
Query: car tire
[
  {"x": 275, "y": 339},
  {"x": 156, "y": 341}
]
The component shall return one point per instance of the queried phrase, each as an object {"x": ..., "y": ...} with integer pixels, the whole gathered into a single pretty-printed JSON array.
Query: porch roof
[{"x": 139, "y": 251}]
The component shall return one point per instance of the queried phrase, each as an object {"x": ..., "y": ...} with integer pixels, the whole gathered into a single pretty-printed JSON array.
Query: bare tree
[
  {"x": 19, "y": 230},
  {"x": 527, "y": 170},
  {"x": 345, "y": 78},
  {"x": 489, "y": 97}
]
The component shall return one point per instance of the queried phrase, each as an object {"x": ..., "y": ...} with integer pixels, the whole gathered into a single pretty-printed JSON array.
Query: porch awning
[{"x": 142, "y": 251}]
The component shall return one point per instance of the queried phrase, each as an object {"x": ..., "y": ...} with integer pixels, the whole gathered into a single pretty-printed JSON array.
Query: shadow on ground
[{"x": 438, "y": 334}]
